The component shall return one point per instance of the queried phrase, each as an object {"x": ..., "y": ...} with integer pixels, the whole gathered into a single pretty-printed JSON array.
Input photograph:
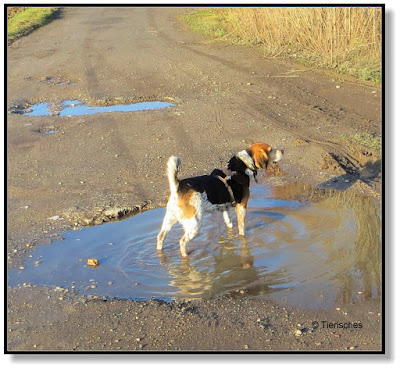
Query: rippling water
[{"x": 303, "y": 246}]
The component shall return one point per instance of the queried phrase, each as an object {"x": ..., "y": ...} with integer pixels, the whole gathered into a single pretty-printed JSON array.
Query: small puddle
[
  {"x": 306, "y": 247},
  {"x": 78, "y": 108},
  {"x": 45, "y": 130}
]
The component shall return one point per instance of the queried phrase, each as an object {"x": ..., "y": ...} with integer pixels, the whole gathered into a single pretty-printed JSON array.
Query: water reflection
[
  {"x": 78, "y": 108},
  {"x": 359, "y": 272}
]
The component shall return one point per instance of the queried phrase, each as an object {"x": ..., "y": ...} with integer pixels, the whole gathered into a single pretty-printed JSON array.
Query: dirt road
[{"x": 226, "y": 97}]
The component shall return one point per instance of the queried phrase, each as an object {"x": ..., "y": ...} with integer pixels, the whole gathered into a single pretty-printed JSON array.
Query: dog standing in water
[{"x": 219, "y": 191}]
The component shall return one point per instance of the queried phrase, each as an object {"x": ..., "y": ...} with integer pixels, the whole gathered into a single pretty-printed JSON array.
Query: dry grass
[{"x": 346, "y": 38}]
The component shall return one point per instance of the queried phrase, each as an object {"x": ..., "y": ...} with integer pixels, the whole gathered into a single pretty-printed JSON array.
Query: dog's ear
[{"x": 259, "y": 152}]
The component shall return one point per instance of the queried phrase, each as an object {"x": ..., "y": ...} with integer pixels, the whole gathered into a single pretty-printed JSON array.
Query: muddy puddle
[
  {"x": 304, "y": 246},
  {"x": 78, "y": 108}
]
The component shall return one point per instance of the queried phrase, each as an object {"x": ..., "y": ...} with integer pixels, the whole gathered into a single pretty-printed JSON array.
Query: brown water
[{"x": 303, "y": 246}]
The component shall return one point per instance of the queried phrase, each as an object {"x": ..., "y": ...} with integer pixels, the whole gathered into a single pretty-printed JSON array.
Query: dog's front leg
[{"x": 240, "y": 210}]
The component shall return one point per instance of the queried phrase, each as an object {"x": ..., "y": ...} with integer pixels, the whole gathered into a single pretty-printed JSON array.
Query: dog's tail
[{"x": 172, "y": 173}]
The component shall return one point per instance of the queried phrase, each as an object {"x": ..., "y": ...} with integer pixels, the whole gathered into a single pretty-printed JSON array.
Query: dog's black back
[{"x": 214, "y": 188}]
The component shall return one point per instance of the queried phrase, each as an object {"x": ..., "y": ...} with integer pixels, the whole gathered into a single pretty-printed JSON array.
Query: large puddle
[
  {"x": 304, "y": 246},
  {"x": 78, "y": 108}
]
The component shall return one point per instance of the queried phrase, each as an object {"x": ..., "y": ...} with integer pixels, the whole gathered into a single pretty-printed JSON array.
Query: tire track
[
  {"x": 349, "y": 163},
  {"x": 279, "y": 122}
]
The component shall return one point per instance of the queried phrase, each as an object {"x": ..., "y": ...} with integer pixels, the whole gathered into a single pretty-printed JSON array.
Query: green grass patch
[
  {"x": 365, "y": 139},
  {"x": 206, "y": 22},
  {"x": 26, "y": 21}
]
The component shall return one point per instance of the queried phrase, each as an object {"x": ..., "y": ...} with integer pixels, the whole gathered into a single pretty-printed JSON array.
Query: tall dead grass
[{"x": 347, "y": 38}]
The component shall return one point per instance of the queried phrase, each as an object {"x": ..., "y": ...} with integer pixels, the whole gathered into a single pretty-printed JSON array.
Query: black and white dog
[{"x": 220, "y": 190}]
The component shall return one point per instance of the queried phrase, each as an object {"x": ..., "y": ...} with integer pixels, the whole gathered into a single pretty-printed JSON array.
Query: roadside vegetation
[
  {"x": 366, "y": 139},
  {"x": 23, "y": 20},
  {"x": 346, "y": 39}
]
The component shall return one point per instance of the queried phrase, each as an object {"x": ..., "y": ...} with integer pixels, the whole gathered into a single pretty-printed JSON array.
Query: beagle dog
[{"x": 219, "y": 191}]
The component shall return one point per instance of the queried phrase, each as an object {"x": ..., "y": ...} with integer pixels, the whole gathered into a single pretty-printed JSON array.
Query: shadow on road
[{"x": 367, "y": 174}]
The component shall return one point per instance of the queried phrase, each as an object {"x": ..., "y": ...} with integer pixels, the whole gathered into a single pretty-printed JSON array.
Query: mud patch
[
  {"x": 58, "y": 80},
  {"x": 102, "y": 214},
  {"x": 368, "y": 173},
  {"x": 304, "y": 246},
  {"x": 330, "y": 162}
]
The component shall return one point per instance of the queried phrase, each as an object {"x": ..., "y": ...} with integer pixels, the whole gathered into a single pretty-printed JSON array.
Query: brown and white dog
[{"x": 220, "y": 190}]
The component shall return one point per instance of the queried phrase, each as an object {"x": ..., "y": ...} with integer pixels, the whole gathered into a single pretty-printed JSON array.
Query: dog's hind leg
[
  {"x": 227, "y": 219},
  {"x": 169, "y": 221},
  {"x": 191, "y": 227}
]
